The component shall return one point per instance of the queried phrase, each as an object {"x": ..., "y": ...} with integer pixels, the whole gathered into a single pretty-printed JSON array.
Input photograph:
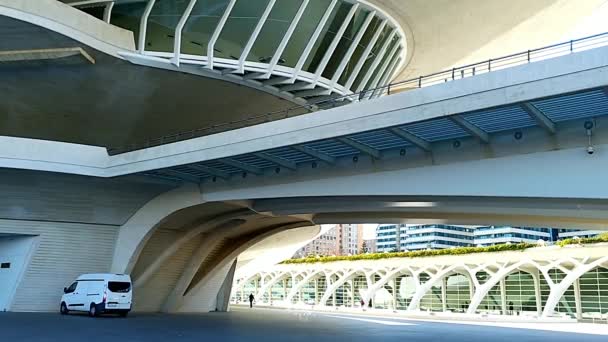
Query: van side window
[
  {"x": 72, "y": 287},
  {"x": 119, "y": 286}
]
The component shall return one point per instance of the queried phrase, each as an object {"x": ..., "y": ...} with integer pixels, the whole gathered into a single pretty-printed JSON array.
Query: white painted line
[{"x": 371, "y": 320}]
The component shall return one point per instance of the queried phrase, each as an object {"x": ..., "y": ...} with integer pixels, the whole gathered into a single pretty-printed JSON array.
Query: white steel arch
[{"x": 571, "y": 261}]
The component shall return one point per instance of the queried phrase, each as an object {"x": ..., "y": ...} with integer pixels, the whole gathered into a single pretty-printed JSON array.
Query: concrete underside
[
  {"x": 470, "y": 31},
  {"x": 111, "y": 103}
]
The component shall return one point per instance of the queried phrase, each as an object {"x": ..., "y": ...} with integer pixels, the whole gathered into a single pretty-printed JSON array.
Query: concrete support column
[
  {"x": 471, "y": 287},
  {"x": 334, "y": 299},
  {"x": 394, "y": 294},
  {"x": 503, "y": 296},
  {"x": 223, "y": 295},
  {"x": 352, "y": 293},
  {"x": 537, "y": 293},
  {"x": 444, "y": 294},
  {"x": 316, "y": 291},
  {"x": 577, "y": 299},
  {"x": 284, "y": 288},
  {"x": 270, "y": 295}
]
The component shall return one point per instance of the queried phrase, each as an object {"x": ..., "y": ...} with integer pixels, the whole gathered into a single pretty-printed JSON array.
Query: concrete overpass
[
  {"x": 146, "y": 94},
  {"x": 181, "y": 245}
]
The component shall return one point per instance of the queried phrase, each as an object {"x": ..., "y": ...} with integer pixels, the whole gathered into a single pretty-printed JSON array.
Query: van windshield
[{"x": 119, "y": 286}]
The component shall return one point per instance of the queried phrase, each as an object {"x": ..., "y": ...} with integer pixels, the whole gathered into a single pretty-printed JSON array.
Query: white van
[{"x": 97, "y": 294}]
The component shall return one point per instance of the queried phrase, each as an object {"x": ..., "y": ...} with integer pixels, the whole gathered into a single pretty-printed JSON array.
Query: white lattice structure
[{"x": 542, "y": 282}]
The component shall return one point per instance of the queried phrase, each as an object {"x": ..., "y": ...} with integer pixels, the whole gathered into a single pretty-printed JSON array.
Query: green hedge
[
  {"x": 597, "y": 239},
  {"x": 453, "y": 251},
  {"x": 413, "y": 254}
]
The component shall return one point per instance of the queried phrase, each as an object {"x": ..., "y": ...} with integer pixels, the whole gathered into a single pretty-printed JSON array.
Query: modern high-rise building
[
  {"x": 387, "y": 236},
  {"x": 493, "y": 235},
  {"x": 438, "y": 236},
  {"x": 349, "y": 237},
  {"x": 581, "y": 233},
  {"x": 325, "y": 244},
  {"x": 416, "y": 237},
  {"x": 344, "y": 239}
]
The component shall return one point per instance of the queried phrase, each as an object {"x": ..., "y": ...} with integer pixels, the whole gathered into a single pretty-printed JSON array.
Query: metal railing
[{"x": 453, "y": 74}]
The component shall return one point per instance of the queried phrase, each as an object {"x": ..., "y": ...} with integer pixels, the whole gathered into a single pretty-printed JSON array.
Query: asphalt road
[{"x": 258, "y": 325}]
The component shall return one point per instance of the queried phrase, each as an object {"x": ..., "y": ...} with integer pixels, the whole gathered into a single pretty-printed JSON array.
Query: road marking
[{"x": 371, "y": 320}]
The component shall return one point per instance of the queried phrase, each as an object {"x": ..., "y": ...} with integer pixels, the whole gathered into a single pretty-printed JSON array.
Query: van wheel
[
  {"x": 64, "y": 309},
  {"x": 93, "y": 310},
  {"x": 124, "y": 313}
]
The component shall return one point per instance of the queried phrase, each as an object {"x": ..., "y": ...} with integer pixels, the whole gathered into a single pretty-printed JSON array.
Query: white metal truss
[
  {"x": 334, "y": 43},
  {"x": 177, "y": 41},
  {"x": 281, "y": 48},
  {"x": 351, "y": 49},
  {"x": 291, "y": 83},
  {"x": 378, "y": 275},
  {"x": 143, "y": 26},
  {"x": 254, "y": 36},
  {"x": 365, "y": 55},
  {"x": 217, "y": 32},
  {"x": 372, "y": 69}
]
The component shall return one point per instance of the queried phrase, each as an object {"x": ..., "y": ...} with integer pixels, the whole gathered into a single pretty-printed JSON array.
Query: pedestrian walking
[{"x": 251, "y": 299}]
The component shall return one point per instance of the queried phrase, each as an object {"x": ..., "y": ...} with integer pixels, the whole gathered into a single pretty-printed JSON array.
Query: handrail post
[
  {"x": 473, "y": 71},
  {"x": 420, "y": 82},
  {"x": 453, "y": 71},
  {"x": 388, "y": 91},
  {"x": 528, "y": 56},
  {"x": 489, "y": 64},
  {"x": 571, "y": 45}
]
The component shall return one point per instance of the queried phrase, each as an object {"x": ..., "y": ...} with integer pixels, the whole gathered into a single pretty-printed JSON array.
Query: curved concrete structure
[
  {"x": 458, "y": 31},
  {"x": 298, "y": 49},
  {"x": 177, "y": 216}
]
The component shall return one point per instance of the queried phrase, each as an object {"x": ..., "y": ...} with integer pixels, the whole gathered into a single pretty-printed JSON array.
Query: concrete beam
[
  {"x": 44, "y": 54},
  {"x": 315, "y": 154},
  {"x": 319, "y": 91},
  {"x": 470, "y": 128},
  {"x": 297, "y": 86},
  {"x": 210, "y": 170},
  {"x": 181, "y": 175},
  {"x": 423, "y": 144},
  {"x": 253, "y": 75},
  {"x": 245, "y": 167},
  {"x": 361, "y": 147},
  {"x": 279, "y": 161},
  {"x": 275, "y": 80},
  {"x": 539, "y": 117}
]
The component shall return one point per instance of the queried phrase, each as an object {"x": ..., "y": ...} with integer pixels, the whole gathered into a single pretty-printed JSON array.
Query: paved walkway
[
  {"x": 261, "y": 325},
  {"x": 568, "y": 326}
]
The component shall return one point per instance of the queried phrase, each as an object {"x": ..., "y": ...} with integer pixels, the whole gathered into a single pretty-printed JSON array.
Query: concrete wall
[
  {"x": 152, "y": 295},
  {"x": 15, "y": 251},
  {"x": 64, "y": 251},
  {"x": 75, "y": 221}
]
